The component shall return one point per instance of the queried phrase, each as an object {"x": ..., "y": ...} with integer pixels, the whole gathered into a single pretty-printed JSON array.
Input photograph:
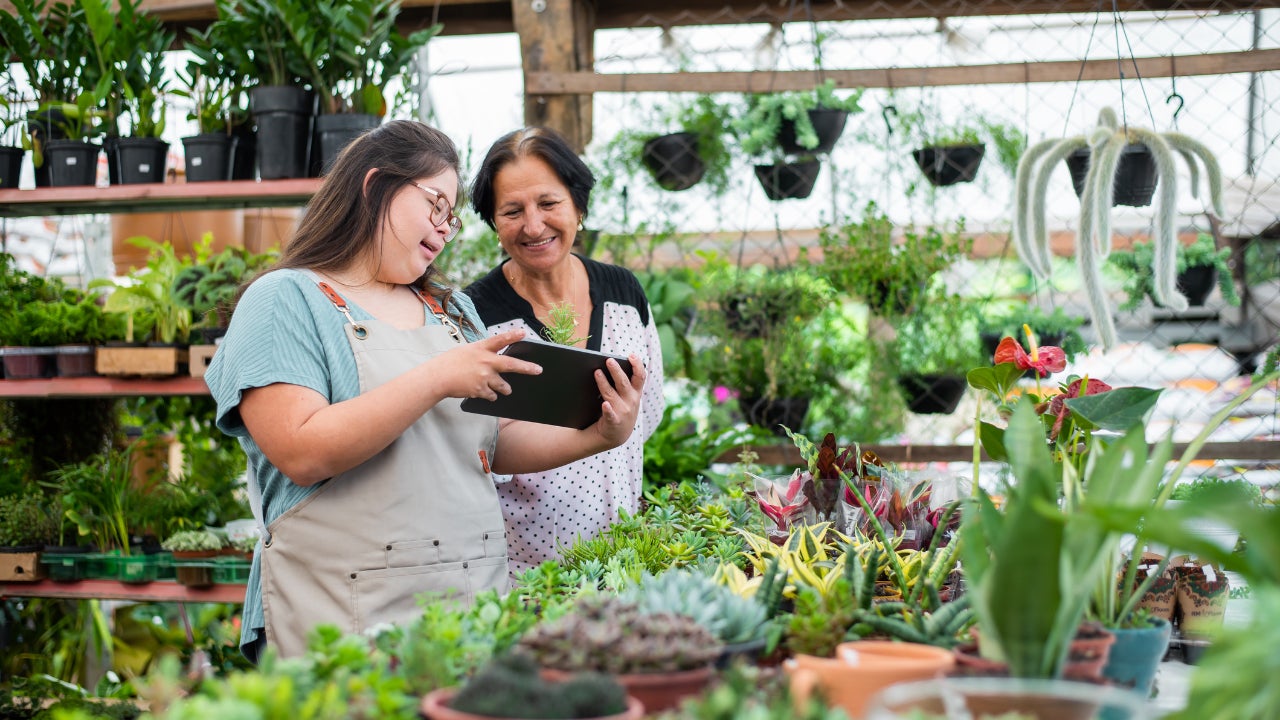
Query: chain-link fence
[{"x": 1197, "y": 354}]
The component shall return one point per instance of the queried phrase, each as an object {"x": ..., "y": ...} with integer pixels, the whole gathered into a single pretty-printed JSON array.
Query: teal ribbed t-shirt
[{"x": 285, "y": 330}]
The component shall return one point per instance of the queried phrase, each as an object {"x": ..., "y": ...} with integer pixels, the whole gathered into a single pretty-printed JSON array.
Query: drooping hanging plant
[{"x": 1106, "y": 144}]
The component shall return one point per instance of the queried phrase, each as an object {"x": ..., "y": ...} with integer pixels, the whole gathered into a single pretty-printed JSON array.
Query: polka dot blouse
[{"x": 548, "y": 511}]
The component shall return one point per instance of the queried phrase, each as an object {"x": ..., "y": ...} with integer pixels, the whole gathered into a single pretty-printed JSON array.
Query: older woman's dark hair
[{"x": 540, "y": 142}]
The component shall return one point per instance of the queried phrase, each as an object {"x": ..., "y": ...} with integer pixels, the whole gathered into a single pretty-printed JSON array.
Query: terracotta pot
[
  {"x": 860, "y": 670},
  {"x": 1087, "y": 656},
  {"x": 656, "y": 691},
  {"x": 435, "y": 706}
]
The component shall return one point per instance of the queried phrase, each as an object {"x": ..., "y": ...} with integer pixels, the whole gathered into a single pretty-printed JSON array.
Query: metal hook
[
  {"x": 885, "y": 113},
  {"x": 1181, "y": 101}
]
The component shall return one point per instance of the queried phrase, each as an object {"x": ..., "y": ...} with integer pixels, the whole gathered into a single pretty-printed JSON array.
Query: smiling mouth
[{"x": 540, "y": 243}]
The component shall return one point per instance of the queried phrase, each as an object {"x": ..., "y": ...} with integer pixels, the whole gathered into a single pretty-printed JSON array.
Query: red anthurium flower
[
  {"x": 1044, "y": 360},
  {"x": 780, "y": 502},
  {"x": 1058, "y": 405}
]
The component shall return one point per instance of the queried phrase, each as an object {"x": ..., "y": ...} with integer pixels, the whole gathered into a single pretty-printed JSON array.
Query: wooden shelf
[
  {"x": 102, "y": 387},
  {"x": 157, "y": 197},
  {"x": 156, "y": 591}
]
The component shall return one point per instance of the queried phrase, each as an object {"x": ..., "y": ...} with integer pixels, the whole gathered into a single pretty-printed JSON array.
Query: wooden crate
[
  {"x": 198, "y": 357},
  {"x": 141, "y": 361},
  {"x": 21, "y": 567}
]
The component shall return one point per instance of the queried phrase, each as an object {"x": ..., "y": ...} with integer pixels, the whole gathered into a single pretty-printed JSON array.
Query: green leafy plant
[
  {"x": 707, "y": 119},
  {"x": 25, "y": 520},
  {"x": 192, "y": 540},
  {"x": 671, "y": 304},
  {"x": 99, "y": 497},
  {"x": 1246, "y": 491},
  {"x": 350, "y": 50},
  {"x": 209, "y": 285},
  {"x": 681, "y": 451},
  {"x": 146, "y": 299},
  {"x": 129, "y": 47},
  {"x": 759, "y": 123},
  {"x": 891, "y": 274},
  {"x": 562, "y": 325},
  {"x": 941, "y": 338},
  {"x": 1138, "y": 263}
]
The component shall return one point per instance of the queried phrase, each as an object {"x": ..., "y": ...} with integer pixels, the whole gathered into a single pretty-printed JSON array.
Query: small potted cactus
[
  {"x": 193, "y": 552},
  {"x": 660, "y": 658},
  {"x": 510, "y": 686}
]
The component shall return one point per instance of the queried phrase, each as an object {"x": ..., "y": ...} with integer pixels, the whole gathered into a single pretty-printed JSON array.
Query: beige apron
[{"x": 422, "y": 515}]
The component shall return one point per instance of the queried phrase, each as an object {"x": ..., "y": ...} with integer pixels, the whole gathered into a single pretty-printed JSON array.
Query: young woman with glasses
[{"x": 341, "y": 375}]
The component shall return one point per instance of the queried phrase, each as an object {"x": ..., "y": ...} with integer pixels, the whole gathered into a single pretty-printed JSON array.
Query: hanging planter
[
  {"x": 673, "y": 160},
  {"x": 1197, "y": 282},
  {"x": 789, "y": 180},
  {"x": 828, "y": 126},
  {"x": 1135, "y": 179},
  {"x": 1109, "y": 142},
  {"x": 773, "y": 413},
  {"x": 944, "y": 165}
]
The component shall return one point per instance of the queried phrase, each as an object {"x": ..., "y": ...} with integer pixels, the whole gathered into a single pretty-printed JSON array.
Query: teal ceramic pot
[{"x": 1136, "y": 655}]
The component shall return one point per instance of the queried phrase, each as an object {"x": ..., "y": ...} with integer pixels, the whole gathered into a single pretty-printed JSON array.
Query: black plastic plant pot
[
  {"x": 828, "y": 125},
  {"x": 932, "y": 394},
  {"x": 1135, "y": 178},
  {"x": 949, "y": 164},
  {"x": 773, "y": 413},
  {"x": 673, "y": 161},
  {"x": 71, "y": 162},
  {"x": 45, "y": 126},
  {"x": 141, "y": 160},
  {"x": 10, "y": 166},
  {"x": 244, "y": 163},
  {"x": 208, "y": 156},
  {"x": 1197, "y": 282},
  {"x": 334, "y": 132},
  {"x": 283, "y": 115},
  {"x": 786, "y": 181}
]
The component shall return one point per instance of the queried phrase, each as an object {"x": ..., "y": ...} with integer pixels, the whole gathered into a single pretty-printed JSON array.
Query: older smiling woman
[{"x": 533, "y": 190}]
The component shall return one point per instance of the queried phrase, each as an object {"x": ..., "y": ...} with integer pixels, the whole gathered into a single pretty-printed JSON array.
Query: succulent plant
[
  {"x": 731, "y": 617},
  {"x": 192, "y": 540},
  {"x": 607, "y": 634},
  {"x": 510, "y": 686}
]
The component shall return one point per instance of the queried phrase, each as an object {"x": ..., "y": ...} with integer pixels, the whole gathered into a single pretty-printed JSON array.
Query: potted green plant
[
  {"x": 935, "y": 348},
  {"x": 1199, "y": 265},
  {"x": 11, "y": 119},
  {"x": 193, "y": 552},
  {"x": 793, "y": 128},
  {"x": 891, "y": 274},
  {"x": 26, "y": 526},
  {"x": 658, "y": 658},
  {"x": 51, "y": 46},
  {"x": 128, "y": 47},
  {"x": 208, "y": 155},
  {"x": 1110, "y": 142},
  {"x": 152, "y": 315},
  {"x": 208, "y": 286},
  {"x": 350, "y": 51},
  {"x": 255, "y": 39},
  {"x": 694, "y": 151}
]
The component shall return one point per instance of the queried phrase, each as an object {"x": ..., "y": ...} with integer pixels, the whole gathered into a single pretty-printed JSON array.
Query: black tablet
[{"x": 564, "y": 394}]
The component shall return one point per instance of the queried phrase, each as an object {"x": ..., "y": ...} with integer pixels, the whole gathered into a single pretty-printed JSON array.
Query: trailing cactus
[
  {"x": 732, "y": 618},
  {"x": 1106, "y": 142},
  {"x": 607, "y": 634}
]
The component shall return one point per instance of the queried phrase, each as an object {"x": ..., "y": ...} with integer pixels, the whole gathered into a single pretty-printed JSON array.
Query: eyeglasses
[{"x": 442, "y": 211}]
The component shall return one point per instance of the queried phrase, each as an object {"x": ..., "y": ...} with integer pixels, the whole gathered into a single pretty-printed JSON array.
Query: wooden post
[{"x": 557, "y": 36}]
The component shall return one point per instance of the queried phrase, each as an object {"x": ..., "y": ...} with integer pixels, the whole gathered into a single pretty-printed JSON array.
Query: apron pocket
[
  {"x": 495, "y": 543},
  {"x": 413, "y": 553},
  {"x": 390, "y": 595}
]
